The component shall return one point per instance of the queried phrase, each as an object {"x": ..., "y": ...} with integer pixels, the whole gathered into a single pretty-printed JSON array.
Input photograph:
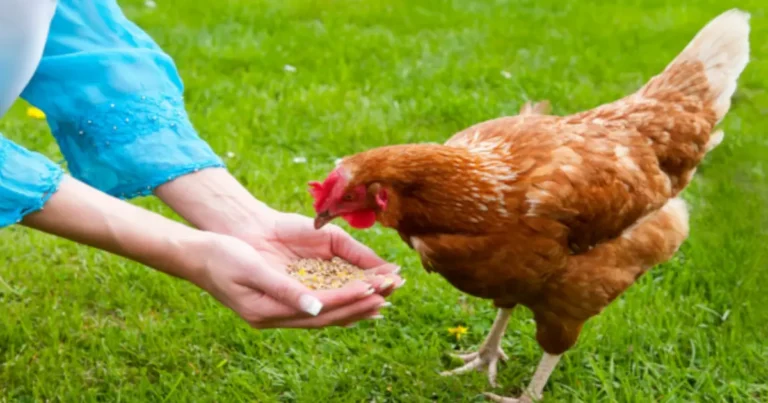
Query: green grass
[{"x": 80, "y": 325}]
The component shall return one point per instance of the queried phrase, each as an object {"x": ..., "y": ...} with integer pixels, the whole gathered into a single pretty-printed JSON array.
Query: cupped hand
[
  {"x": 287, "y": 237},
  {"x": 247, "y": 274}
]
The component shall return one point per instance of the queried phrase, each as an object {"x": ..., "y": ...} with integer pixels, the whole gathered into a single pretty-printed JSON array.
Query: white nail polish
[
  {"x": 386, "y": 304},
  {"x": 397, "y": 270},
  {"x": 401, "y": 284},
  {"x": 376, "y": 317},
  {"x": 369, "y": 292},
  {"x": 386, "y": 284},
  {"x": 310, "y": 304}
]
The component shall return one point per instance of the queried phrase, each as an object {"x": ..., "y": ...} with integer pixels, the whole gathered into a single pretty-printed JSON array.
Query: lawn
[{"x": 282, "y": 89}]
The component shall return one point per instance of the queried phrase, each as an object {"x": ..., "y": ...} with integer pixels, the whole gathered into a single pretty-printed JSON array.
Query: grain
[{"x": 319, "y": 274}]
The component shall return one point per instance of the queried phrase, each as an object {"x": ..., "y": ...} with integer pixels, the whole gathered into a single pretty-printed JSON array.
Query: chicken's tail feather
[{"x": 711, "y": 63}]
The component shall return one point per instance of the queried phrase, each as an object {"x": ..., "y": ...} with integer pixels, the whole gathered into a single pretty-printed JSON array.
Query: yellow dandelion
[
  {"x": 458, "y": 331},
  {"x": 35, "y": 113},
  {"x": 302, "y": 272}
]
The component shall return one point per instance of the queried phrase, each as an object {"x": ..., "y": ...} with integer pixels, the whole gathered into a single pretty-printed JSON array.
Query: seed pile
[{"x": 318, "y": 274}]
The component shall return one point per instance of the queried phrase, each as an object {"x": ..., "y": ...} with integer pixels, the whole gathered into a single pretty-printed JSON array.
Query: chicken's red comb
[
  {"x": 318, "y": 193},
  {"x": 321, "y": 191}
]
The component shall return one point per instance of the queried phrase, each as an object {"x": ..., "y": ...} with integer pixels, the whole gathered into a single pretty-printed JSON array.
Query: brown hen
[{"x": 558, "y": 214}]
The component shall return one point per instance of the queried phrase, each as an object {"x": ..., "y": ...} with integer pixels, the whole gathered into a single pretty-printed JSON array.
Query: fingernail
[
  {"x": 397, "y": 269},
  {"x": 310, "y": 304},
  {"x": 376, "y": 317},
  {"x": 386, "y": 284},
  {"x": 401, "y": 284},
  {"x": 370, "y": 291},
  {"x": 385, "y": 304}
]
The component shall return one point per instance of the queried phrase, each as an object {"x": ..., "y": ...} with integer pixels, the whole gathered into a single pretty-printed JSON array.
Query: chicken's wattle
[{"x": 361, "y": 219}]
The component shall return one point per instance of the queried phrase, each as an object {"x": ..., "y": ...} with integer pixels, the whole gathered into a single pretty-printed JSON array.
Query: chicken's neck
[{"x": 437, "y": 187}]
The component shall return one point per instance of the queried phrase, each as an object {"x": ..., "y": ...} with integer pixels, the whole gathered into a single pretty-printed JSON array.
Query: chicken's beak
[{"x": 322, "y": 218}]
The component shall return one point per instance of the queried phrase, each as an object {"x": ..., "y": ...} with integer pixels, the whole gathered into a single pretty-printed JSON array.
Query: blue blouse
[{"x": 113, "y": 100}]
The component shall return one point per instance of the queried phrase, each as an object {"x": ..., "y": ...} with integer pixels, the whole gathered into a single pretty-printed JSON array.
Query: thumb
[
  {"x": 349, "y": 249},
  {"x": 289, "y": 291}
]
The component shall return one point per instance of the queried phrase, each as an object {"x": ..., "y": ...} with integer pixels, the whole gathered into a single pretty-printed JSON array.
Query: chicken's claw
[
  {"x": 467, "y": 357},
  {"x": 484, "y": 359}
]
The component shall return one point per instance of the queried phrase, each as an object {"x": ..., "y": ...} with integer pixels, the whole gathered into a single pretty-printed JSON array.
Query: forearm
[
  {"x": 213, "y": 200},
  {"x": 88, "y": 216}
]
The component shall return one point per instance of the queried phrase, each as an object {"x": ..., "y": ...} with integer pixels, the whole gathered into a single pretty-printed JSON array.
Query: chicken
[{"x": 559, "y": 214}]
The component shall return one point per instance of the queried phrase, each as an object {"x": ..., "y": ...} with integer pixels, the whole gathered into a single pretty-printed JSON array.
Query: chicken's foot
[
  {"x": 536, "y": 387},
  {"x": 488, "y": 355}
]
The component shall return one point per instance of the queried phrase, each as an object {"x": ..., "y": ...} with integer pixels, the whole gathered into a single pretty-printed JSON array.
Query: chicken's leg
[
  {"x": 536, "y": 387},
  {"x": 489, "y": 353}
]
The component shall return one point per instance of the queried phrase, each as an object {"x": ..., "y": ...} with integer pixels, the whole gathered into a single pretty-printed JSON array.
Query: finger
[
  {"x": 284, "y": 289},
  {"x": 346, "y": 247},
  {"x": 349, "y": 249},
  {"x": 386, "y": 268},
  {"x": 331, "y": 299},
  {"x": 348, "y": 294},
  {"x": 384, "y": 284},
  {"x": 345, "y": 314}
]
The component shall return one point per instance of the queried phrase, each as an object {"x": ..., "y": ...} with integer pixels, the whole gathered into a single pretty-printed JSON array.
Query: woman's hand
[
  {"x": 260, "y": 291},
  {"x": 254, "y": 284},
  {"x": 283, "y": 237},
  {"x": 213, "y": 200}
]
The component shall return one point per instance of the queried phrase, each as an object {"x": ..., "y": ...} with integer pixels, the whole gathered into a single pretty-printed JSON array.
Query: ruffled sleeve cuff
[
  {"x": 113, "y": 100},
  {"x": 129, "y": 145},
  {"x": 27, "y": 181}
]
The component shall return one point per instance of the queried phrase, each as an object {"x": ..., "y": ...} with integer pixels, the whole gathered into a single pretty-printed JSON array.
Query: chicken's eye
[{"x": 347, "y": 197}]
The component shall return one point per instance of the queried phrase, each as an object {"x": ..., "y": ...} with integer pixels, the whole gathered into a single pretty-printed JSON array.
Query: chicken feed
[{"x": 318, "y": 274}]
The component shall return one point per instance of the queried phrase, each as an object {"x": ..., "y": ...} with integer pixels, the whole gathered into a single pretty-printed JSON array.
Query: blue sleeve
[
  {"x": 27, "y": 180},
  {"x": 114, "y": 102}
]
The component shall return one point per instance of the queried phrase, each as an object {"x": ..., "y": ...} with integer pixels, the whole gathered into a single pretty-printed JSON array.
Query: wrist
[
  {"x": 213, "y": 200},
  {"x": 191, "y": 254}
]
